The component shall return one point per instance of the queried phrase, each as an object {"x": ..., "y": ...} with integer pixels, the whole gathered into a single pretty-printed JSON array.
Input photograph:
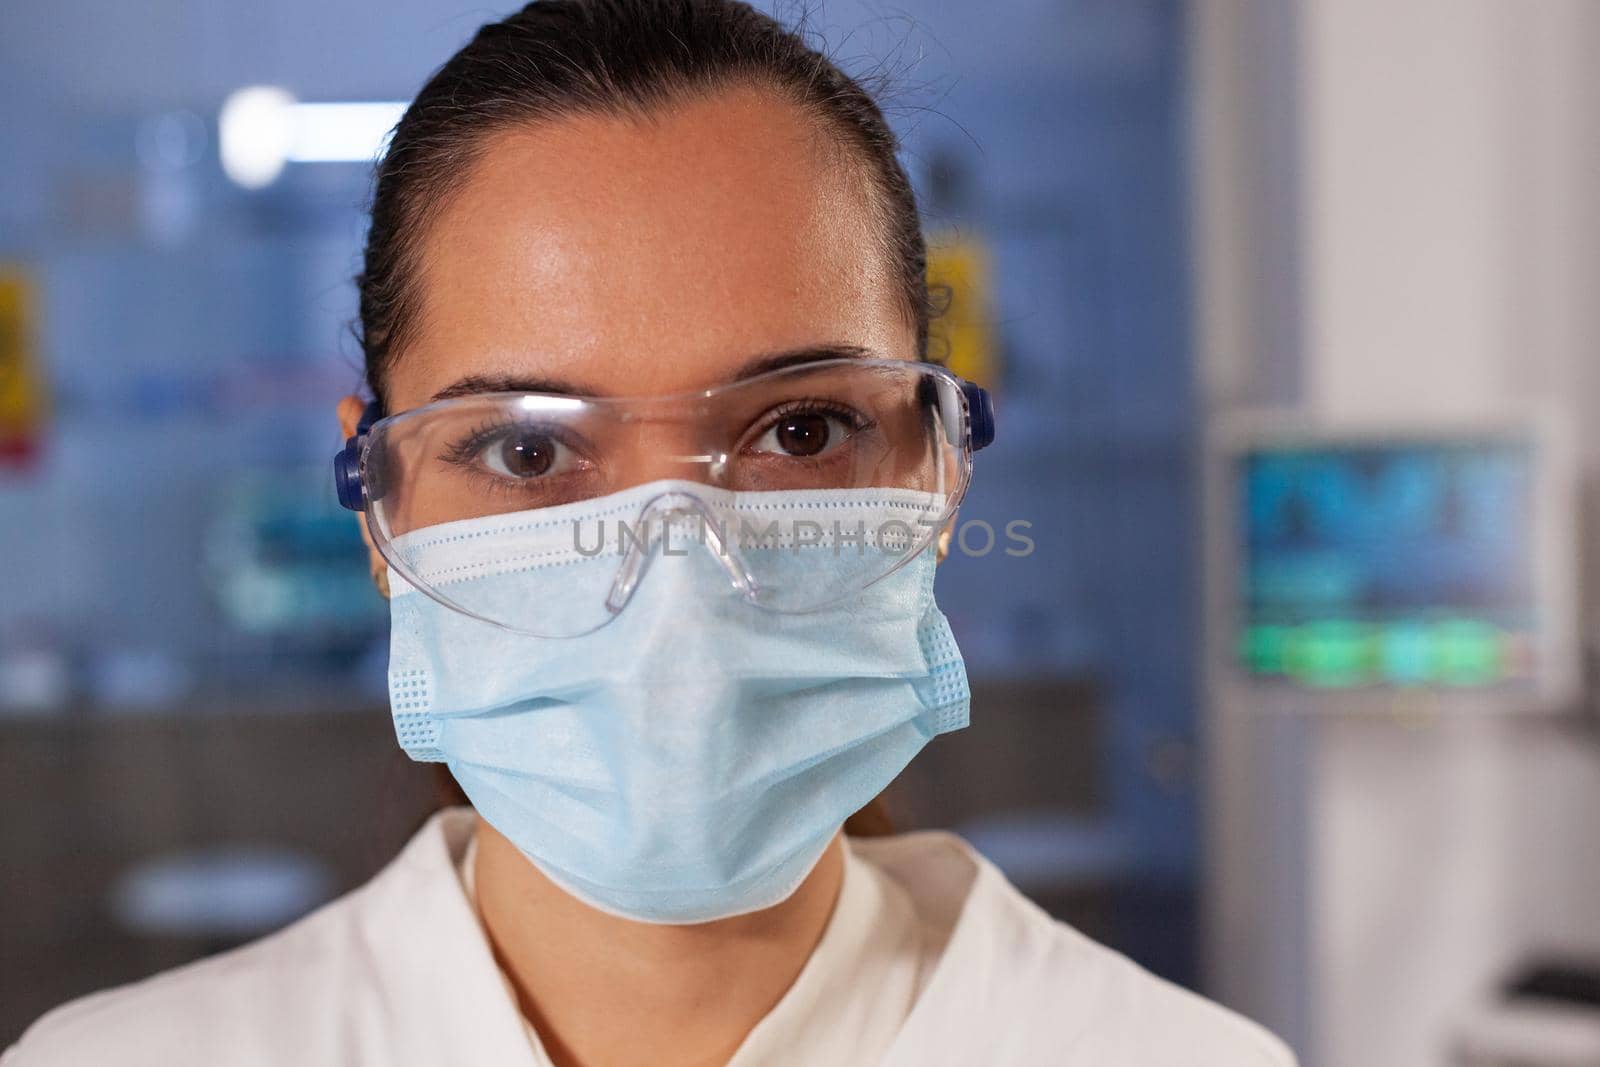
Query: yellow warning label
[
  {"x": 962, "y": 330},
  {"x": 22, "y": 393}
]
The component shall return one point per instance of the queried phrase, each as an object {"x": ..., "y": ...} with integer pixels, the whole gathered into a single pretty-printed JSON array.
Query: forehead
[{"x": 647, "y": 254}]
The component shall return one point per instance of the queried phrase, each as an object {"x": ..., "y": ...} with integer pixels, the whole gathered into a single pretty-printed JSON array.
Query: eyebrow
[{"x": 475, "y": 384}]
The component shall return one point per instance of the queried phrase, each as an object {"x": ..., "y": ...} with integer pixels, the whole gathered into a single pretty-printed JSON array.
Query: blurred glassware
[
  {"x": 34, "y": 679},
  {"x": 225, "y": 893},
  {"x": 283, "y": 562}
]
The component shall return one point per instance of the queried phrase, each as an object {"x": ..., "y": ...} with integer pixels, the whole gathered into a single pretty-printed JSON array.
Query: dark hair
[{"x": 560, "y": 57}]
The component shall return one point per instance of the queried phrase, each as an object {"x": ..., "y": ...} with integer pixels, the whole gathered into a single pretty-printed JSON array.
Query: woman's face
[{"x": 628, "y": 256}]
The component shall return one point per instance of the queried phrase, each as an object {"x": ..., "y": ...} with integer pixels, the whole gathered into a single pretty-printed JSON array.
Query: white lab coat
[{"x": 399, "y": 973}]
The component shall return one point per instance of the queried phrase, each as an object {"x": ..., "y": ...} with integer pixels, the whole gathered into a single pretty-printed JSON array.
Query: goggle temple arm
[{"x": 347, "y": 462}]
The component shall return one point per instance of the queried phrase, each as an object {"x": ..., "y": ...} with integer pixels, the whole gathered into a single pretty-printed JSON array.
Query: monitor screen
[{"x": 1409, "y": 563}]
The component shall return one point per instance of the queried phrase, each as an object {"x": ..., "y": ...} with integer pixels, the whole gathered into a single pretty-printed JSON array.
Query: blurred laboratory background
[{"x": 1291, "y": 311}]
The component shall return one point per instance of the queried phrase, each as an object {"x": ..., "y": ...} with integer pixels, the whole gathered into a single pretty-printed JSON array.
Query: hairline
[{"x": 433, "y": 198}]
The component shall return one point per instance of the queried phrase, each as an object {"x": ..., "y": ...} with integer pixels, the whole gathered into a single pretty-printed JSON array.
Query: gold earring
[
  {"x": 943, "y": 549},
  {"x": 380, "y": 578}
]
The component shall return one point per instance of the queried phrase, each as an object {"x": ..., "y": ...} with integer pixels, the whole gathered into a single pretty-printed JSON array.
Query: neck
[{"x": 603, "y": 990}]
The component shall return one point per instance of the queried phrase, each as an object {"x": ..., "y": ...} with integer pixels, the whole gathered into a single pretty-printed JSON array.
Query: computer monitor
[{"x": 1402, "y": 559}]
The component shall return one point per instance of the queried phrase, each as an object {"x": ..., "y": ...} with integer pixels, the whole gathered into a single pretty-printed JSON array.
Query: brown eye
[
  {"x": 522, "y": 454},
  {"x": 804, "y": 434}
]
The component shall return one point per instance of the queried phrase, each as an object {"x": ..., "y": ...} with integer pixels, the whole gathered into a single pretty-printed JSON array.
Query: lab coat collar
[
  {"x": 444, "y": 988},
  {"x": 449, "y": 993},
  {"x": 1005, "y": 988}
]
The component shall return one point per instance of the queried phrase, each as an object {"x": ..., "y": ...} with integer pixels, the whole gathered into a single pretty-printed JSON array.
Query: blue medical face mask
[{"x": 691, "y": 759}]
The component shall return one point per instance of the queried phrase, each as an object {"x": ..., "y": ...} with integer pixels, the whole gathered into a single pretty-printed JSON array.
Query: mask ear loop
[
  {"x": 941, "y": 550},
  {"x": 655, "y": 520}
]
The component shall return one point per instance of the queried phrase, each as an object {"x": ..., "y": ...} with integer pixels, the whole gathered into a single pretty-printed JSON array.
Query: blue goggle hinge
[
  {"x": 980, "y": 414},
  {"x": 347, "y": 462}
]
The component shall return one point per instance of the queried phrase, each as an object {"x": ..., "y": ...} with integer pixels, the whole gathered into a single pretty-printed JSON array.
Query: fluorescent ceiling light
[
  {"x": 254, "y": 132},
  {"x": 263, "y": 128},
  {"x": 342, "y": 133}
]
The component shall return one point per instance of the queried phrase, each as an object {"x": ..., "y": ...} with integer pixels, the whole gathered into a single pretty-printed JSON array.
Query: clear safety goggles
[{"x": 858, "y": 462}]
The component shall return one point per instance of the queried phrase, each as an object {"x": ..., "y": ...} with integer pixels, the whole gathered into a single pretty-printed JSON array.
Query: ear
[
  {"x": 942, "y": 544},
  {"x": 349, "y": 410}
]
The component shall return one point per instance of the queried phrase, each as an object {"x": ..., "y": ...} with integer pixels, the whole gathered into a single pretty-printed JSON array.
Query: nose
[
  {"x": 677, "y": 518},
  {"x": 679, "y": 449}
]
